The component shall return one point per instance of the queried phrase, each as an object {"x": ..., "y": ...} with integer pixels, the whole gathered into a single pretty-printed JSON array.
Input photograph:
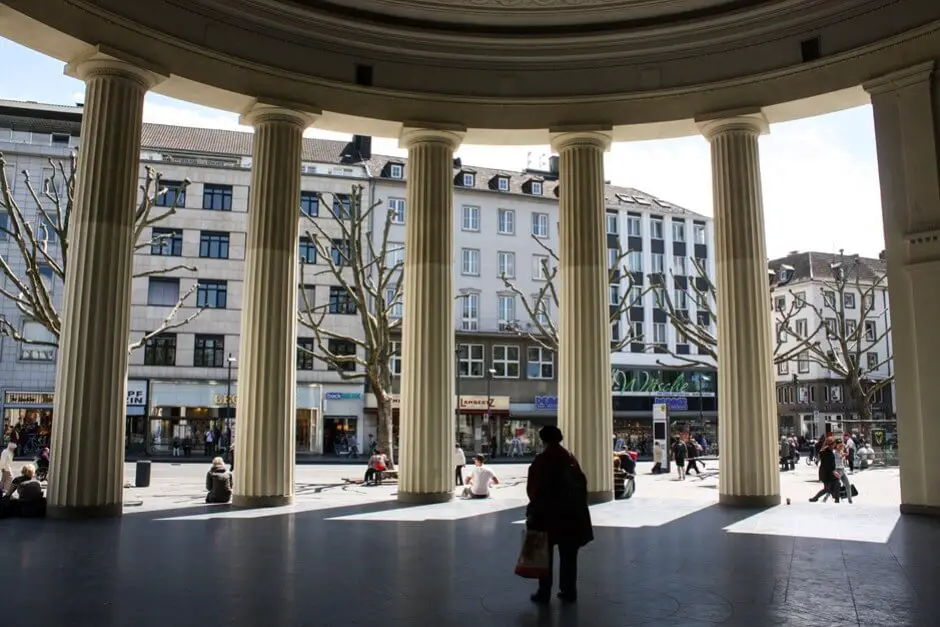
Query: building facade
[{"x": 812, "y": 399}]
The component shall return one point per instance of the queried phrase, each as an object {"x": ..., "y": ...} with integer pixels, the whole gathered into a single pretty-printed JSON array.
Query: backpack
[{"x": 679, "y": 449}]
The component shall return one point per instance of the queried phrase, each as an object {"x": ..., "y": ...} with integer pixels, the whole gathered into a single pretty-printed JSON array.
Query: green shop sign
[{"x": 632, "y": 382}]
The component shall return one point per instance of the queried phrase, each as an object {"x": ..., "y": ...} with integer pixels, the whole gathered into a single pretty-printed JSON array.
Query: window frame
[
  {"x": 872, "y": 326},
  {"x": 217, "y": 197},
  {"x": 467, "y": 255},
  {"x": 503, "y": 364},
  {"x": 306, "y": 246},
  {"x": 396, "y": 167},
  {"x": 539, "y": 270},
  {"x": 468, "y": 358},
  {"x": 506, "y": 217},
  {"x": 506, "y": 255},
  {"x": 208, "y": 238},
  {"x": 175, "y": 238},
  {"x": 202, "y": 353},
  {"x": 309, "y": 200},
  {"x": 469, "y": 179},
  {"x": 634, "y": 220},
  {"x": 216, "y": 287},
  {"x": 502, "y": 183},
  {"x": 341, "y": 302},
  {"x": 699, "y": 229},
  {"x": 541, "y": 362},
  {"x": 332, "y": 345},
  {"x": 849, "y": 300},
  {"x": 802, "y": 363},
  {"x": 397, "y": 210},
  {"x": 175, "y": 194},
  {"x": 613, "y": 219},
  {"x": 162, "y": 280},
  {"x": 783, "y": 368},
  {"x": 678, "y": 227},
  {"x": 163, "y": 344},
  {"x": 536, "y": 188},
  {"x": 305, "y": 361},
  {"x": 470, "y": 312},
  {"x": 473, "y": 213},
  {"x": 509, "y": 315},
  {"x": 657, "y": 327},
  {"x": 657, "y": 224},
  {"x": 537, "y": 219}
]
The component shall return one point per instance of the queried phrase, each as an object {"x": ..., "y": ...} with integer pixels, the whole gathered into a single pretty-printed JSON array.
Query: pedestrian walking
[
  {"x": 460, "y": 460},
  {"x": 6, "y": 467},
  {"x": 679, "y": 453}
]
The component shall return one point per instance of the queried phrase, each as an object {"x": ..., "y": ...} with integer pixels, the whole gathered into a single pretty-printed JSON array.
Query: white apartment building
[
  {"x": 811, "y": 399},
  {"x": 185, "y": 381}
]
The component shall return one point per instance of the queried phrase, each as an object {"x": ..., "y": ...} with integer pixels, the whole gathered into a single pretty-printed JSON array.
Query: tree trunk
[{"x": 385, "y": 418}]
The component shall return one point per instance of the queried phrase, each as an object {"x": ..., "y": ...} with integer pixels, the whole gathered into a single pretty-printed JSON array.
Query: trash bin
[{"x": 143, "y": 474}]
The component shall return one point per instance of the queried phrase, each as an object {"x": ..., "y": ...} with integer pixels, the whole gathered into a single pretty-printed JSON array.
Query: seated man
[
  {"x": 377, "y": 466},
  {"x": 25, "y": 497},
  {"x": 478, "y": 483}
]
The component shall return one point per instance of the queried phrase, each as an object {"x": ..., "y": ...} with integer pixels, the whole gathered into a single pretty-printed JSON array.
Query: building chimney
[
  {"x": 553, "y": 165},
  {"x": 362, "y": 144}
]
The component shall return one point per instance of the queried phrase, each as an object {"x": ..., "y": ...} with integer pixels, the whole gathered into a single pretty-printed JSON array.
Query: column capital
[
  {"x": 899, "y": 79},
  {"x": 411, "y": 135},
  {"x": 750, "y": 121},
  {"x": 99, "y": 61},
  {"x": 261, "y": 111},
  {"x": 564, "y": 139}
]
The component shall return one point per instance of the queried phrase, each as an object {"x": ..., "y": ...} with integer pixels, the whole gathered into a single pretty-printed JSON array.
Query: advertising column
[{"x": 661, "y": 432}]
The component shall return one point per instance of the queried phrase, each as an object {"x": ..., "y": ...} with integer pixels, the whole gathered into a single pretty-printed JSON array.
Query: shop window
[
  {"x": 217, "y": 197},
  {"x": 166, "y": 242},
  {"x": 209, "y": 351},
  {"x": 304, "y": 357},
  {"x": 160, "y": 350},
  {"x": 341, "y": 301},
  {"x": 470, "y": 362},
  {"x": 540, "y": 363},
  {"x": 213, "y": 244},
  {"x": 310, "y": 204},
  {"x": 212, "y": 294},
  {"x": 506, "y": 362},
  {"x": 163, "y": 291},
  {"x": 342, "y": 348},
  {"x": 175, "y": 195}
]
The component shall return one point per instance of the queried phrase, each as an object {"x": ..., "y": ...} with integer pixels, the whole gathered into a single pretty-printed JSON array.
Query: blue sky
[{"x": 820, "y": 175}]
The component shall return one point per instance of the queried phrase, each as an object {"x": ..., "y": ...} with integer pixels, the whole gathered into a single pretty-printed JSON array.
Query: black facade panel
[
  {"x": 701, "y": 284},
  {"x": 636, "y": 314},
  {"x": 701, "y": 251},
  {"x": 637, "y": 278},
  {"x": 702, "y": 318},
  {"x": 657, "y": 246},
  {"x": 659, "y": 315},
  {"x": 678, "y": 249},
  {"x": 682, "y": 283},
  {"x": 637, "y": 348},
  {"x": 634, "y": 243},
  {"x": 683, "y": 349},
  {"x": 613, "y": 241}
]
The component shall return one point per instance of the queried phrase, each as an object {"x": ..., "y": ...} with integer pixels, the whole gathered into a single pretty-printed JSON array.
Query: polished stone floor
[{"x": 670, "y": 556}]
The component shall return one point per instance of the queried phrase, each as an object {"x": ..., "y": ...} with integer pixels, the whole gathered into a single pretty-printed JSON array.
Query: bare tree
[
  {"x": 539, "y": 325},
  {"x": 703, "y": 336},
  {"x": 845, "y": 337},
  {"x": 372, "y": 282},
  {"x": 31, "y": 290}
]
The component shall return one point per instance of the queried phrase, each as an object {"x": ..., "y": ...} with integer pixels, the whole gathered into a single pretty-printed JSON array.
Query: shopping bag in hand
[{"x": 533, "y": 558}]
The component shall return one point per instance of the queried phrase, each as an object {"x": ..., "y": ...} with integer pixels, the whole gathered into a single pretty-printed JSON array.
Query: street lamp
[
  {"x": 489, "y": 403},
  {"x": 457, "y": 354},
  {"x": 228, "y": 399},
  {"x": 702, "y": 379}
]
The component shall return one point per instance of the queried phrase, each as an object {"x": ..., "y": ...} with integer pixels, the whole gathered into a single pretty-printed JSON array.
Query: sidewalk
[{"x": 302, "y": 459}]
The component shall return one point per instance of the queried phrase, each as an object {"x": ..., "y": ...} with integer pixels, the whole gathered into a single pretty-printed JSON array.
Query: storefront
[
  {"x": 182, "y": 412},
  {"x": 342, "y": 411},
  {"x": 135, "y": 432},
  {"x": 308, "y": 418},
  {"x": 27, "y": 420},
  {"x": 480, "y": 424}
]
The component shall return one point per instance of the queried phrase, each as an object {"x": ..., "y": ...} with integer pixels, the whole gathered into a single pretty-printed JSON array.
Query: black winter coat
[
  {"x": 557, "y": 490},
  {"x": 827, "y": 465}
]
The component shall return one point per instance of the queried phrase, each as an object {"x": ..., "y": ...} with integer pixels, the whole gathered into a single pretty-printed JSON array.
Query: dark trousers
[
  {"x": 458, "y": 475},
  {"x": 852, "y": 460},
  {"x": 693, "y": 465},
  {"x": 832, "y": 488},
  {"x": 567, "y": 571},
  {"x": 372, "y": 475}
]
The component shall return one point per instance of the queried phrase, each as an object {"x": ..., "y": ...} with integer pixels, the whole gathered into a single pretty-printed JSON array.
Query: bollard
[{"x": 142, "y": 480}]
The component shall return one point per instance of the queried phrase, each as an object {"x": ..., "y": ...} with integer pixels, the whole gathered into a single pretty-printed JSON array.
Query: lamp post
[
  {"x": 457, "y": 353},
  {"x": 228, "y": 400},
  {"x": 702, "y": 379},
  {"x": 489, "y": 403}
]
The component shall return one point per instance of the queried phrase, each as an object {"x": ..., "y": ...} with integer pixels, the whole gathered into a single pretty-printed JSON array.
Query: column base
[
  {"x": 424, "y": 498},
  {"x": 913, "y": 509},
  {"x": 604, "y": 496},
  {"x": 748, "y": 501},
  {"x": 254, "y": 502},
  {"x": 81, "y": 512}
]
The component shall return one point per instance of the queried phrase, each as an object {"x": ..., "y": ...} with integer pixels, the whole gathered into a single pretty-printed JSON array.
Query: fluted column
[
  {"x": 747, "y": 426},
  {"x": 426, "y": 473},
  {"x": 267, "y": 373},
  {"x": 906, "y": 107},
  {"x": 584, "y": 403},
  {"x": 87, "y": 452}
]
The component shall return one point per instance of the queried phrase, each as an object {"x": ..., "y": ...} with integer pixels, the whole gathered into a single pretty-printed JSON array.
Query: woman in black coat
[
  {"x": 827, "y": 472},
  {"x": 557, "y": 490}
]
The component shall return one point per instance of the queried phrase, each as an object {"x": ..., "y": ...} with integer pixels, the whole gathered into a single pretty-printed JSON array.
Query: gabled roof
[{"x": 812, "y": 265}]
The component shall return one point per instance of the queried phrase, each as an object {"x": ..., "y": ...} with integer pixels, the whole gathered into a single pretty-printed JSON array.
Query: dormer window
[
  {"x": 396, "y": 171},
  {"x": 536, "y": 188},
  {"x": 502, "y": 183},
  {"x": 469, "y": 179}
]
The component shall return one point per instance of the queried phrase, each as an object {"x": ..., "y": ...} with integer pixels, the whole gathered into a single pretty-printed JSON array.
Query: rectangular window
[
  {"x": 341, "y": 348},
  {"x": 471, "y": 218},
  {"x": 506, "y": 362},
  {"x": 209, "y": 351},
  {"x": 871, "y": 330},
  {"x": 801, "y": 328},
  {"x": 503, "y": 184},
  {"x": 783, "y": 367},
  {"x": 633, "y": 226},
  {"x": 658, "y": 263},
  {"x": 536, "y": 188},
  {"x": 614, "y": 295},
  {"x": 543, "y": 310},
  {"x": 782, "y": 334},
  {"x": 340, "y": 252},
  {"x": 699, "y": 233},
  {"x": 678, "y": 230},
  {"x": 681, "y": 298},
  {"x": 799, "y": 300},
  {"x": 470, "y": 312},
  {"x": 396, "y": 171},
  {"x": 868, "y": 302},
  {"x": 780, "y": 303},
  {"x": 471, "y": 360},
  {"x": 341, "y": 301},
  {"x": 540, "y": 267},
  {"x": 306, "y": 297},
  {"x": 540, "y": 225},
  {"x": 506, "y": 263},
  {"x": 802, "y": 363},
  {"x": 160, "y": 350},
  {"x": 342, "y": 206},
  {"x": 635, "y": 297},
  {"x": 396, "y": 208},
  {"x": 310, "y": 204},
  {"x": 851, "y": 326},
  {"x": 163, "y": 292},
  {"x": 829, "y": 298},
  {"x": 637, "y": 328},
  {"x": 613, "y": 257},
  {"x": 212, "y": 294},
  {"x": 469, "y": 180},
  {"x": 4, "y": 224},
  {"x": 470, "y": 261},
  {"x": 37, "y": 352},
  {"x": 304, "y": 357},
  {"x": 678, "y": 265},
  {"x": 395, "y": 360},
  {"x": 635, "y": 261},
  {"x": 165, "y": 242},
  {"x": 507, "y": 222},
  {"x": 395, "y": 254},
  {"x": 659, "y": 332},
  {"x": 612, "y": 224},
  {"x": 60, "y": 139},
  {"x": 308, "y": 250},
  {"x": 506, "y": 310},
  {"x": 540, "y": 363},
  {"x": 213, "y": 244},
  {"x": 831, "y": 328},
  {"x": 615, "y": 331},
  {"x": 849, "y": 300},
  {"x": 656, "y": 228},
  {"x": 873, "y": 361},
  {"x": 397, "y": 307},
  {"x": 175, "y": 195},
  {"x": 217, "y": 197}
]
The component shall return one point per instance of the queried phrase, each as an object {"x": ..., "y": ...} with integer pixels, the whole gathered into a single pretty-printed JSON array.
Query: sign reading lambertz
[{"x": 471, "y": 403}]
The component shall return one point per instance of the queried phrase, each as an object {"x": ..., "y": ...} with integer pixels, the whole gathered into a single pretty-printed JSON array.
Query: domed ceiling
[{"x": 529, "y": 15}]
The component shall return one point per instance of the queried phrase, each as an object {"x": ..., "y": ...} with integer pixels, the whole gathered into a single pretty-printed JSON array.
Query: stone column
[
  {"x": 747, "y": 427},
  {"x": 426, "y": 472},
  {"x": 266, "y": 419},
  {"x": 585, "y": 414},
  {"x": 906, "y": 107},
  {"x": 86, "y": 478}
]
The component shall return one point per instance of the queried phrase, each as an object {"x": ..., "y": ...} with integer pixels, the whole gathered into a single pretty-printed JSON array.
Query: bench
[{"x": 385, "y": 475}]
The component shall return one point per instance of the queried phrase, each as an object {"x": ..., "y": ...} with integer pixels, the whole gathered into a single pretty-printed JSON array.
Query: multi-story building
[
  {"x": 184, "y": 381},
  {"x": 811, "y": 398}
]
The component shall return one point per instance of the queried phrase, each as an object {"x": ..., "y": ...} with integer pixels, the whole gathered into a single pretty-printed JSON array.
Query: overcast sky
[{"x": 820, "y": 175}]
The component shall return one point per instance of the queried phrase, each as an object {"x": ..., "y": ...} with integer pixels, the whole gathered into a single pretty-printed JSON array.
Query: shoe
[
  {"x": 538, "y": 597},
  {"x": 567, "y": 597},
  {"x": 814, "y": 499}
]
